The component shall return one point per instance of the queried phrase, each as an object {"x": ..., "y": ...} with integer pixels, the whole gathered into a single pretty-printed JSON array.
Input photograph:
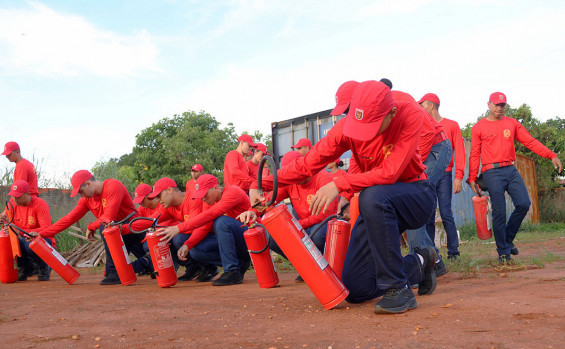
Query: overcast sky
[{"x": 79, "y": 79}]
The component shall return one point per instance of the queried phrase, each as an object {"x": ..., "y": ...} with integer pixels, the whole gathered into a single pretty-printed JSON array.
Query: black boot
[
  {"x": 44, "y": 273},
  {"x": 22, "y": 276}
]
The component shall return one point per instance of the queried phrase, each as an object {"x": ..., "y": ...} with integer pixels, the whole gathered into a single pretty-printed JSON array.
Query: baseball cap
[
  {"x": 19, "y": 188},
  {"x": 431, "y": 97},
  {"x": 78, "y": 179},
  {"x": 141, "y": 192},
  {"x": 10, "y": 147},
  {"x": 203, "y": 183},
  {"x": 370, "y": 103},
  {"x": 497, "y": 98},
  {"x": 262, "y": 148},
  {"x": 343, "y": 97},
  {"x": 289, "y": 157},
  {"x": 197, "y": 167},
  {"x": 160, "y": 185},
  {"x": 247, "y": 138},
  {"x": 302, "y": 142}
]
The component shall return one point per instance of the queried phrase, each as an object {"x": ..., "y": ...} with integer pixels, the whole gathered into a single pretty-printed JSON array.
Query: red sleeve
[
  {"x": 197, "y": 233},
  {"x": 43, "y": 214},
  {"x": 458, "y": 149},
  {"x": 76, "y": 213},
  {"x": 237, "y": 175},
  {"x": 427, "y": 137},
  {"x": 475, "y": 156},
  {"x": 524, "y": 137}
]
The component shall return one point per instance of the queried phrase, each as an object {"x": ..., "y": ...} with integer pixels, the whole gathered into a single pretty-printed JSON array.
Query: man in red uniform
[
  {"x": 395, "y": 195},
  {"x": 147, "y": 206},
  {"x": 235, "y": 170},
  {"x": 30, "y": 213},
  {"x": 444, "y": 185},
  {"x": 177, "y": 206},
  {"x": 253, "y": 163},
  {"x": 196, "y": 171},
  {"x": 492, "y": 145},
  {"x": 24, "y": 169},
  {"x": 302, "y": 146},
  {"x": 226, "y": 247},
  {"x": 109, "y": 201}
]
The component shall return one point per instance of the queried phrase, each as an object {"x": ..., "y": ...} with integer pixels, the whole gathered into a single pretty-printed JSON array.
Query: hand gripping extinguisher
[
  {"x": 301, "y": 251},
  {"x": 118, "y": 251},
  {"x": 480, "y": 206},
  {"x": 160, "y": 254},
  {"x": 50, "y": 256}
]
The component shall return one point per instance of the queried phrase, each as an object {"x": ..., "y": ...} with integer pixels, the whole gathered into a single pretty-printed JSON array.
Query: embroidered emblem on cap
[
  {"x": 15, "y": 187},
  {"x": 500, "y": 97},
  {"x": 359, "y": 114},
  {"x": 196, "y": 186},
  {"x": 136, "y": 194}
]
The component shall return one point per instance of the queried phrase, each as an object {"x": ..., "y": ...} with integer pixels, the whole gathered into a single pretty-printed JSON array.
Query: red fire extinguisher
[
  {"x": 480, "y": 206},
  {"x": 8, "y": 269},
  {"x": 256, "y": 241},
  {"x": 300, "y": 250},
  {"x": 354, "y": 210},
  {"x": 50, "y": 256},
  {"x": 337, "y": 241},
  {"x": 118, "y": 251},
  {"x": 160, "y": 254}
]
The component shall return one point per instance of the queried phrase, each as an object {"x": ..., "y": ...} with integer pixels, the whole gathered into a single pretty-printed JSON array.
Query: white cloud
[{"x": 42, "y": 41}]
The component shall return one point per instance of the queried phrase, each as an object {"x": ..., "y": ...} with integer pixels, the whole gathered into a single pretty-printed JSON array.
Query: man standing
[
  {"x": 302, "y": 146},
  {"x": 24, "y": 169},
  {"x": 253, "y": 163},
  {"x": 30, "y": 213},
  {"x": 196, "y": 171},
  {"x": 430, "y": 102},
  {"x": 383, "y": 136},
  {"x": 235, "y": 170},
  {"x": 492, "y": 145},
  {"x": 109, "y": 201}
]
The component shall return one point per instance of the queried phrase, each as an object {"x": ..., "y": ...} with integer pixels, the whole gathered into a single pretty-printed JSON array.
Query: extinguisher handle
[{"x": 275, "y": 178}]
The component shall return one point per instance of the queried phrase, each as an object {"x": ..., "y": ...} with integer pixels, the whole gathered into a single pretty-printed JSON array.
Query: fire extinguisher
[
  {"x": 8, "y": 269},
  {"x": 160, "y": 254},
  {"x": 50, "y": 256},
  {"x": 480, "y": 206},
  {"x": 118, "y": 251},
  {"x": 300, "y": 250},
  {"x": 354, "y": 210},
  {"x": 258, "y": 247}
]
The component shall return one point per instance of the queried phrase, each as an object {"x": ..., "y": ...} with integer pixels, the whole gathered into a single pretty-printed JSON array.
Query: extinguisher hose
[
  {"x": 13, "y": 228},
  {"x": 123, "y": 220},
  {"x": 275, "y": 177},
  {"x": 268, "y": 240},
  {"x": 327, "y": 219},
  {"x": 153, "y": 226}
]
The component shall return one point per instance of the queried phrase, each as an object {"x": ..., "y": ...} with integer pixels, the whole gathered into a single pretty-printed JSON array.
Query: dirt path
[{"x": 524, "y": 309}]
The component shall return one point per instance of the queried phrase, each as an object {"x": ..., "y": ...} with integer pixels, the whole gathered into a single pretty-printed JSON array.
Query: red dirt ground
[{"x": 523, "y": 309}]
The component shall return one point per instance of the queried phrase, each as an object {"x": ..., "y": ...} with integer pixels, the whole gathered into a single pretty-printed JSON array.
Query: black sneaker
[
  {"x": 207, "y": 273},
  {"x": 514, "y": 250},
  {"x": 110, "y": 279},
  {"x": 429, "y": 281},
  {"x": 191, "y": 272},
  {"x": 439, "y": 268},
  {"x": 228, "y": 278},
  {"x": 504, "y": 259},
  {"x": 245, "y": 267},
  {"x": 147, "y": 264},
  {"x": 22, "y": 276},
  {"x": 44, "y": 273},
  {"x": 299, "y": 279},
  {"x": 396, "y": 301}
]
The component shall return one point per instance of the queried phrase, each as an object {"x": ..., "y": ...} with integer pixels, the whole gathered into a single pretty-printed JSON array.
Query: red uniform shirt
[
  {"x": 337, "y": 173},
  {"x": 390, "y": 157},
  {"x": 114, "y": 204},
  {"x": 253, "y": 170},
  {"x": 236, "y": 172},
  {"x": 26, "y": 171},
  {"x": 493, "y": 142},
  {"x": 33, "y": 217},
  {"x": 234, "y": 201},
  {"x": 454, "y": 135},
  {"x": 301, "y": 194}
]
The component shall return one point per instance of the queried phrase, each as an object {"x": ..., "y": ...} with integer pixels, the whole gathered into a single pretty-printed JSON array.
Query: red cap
[
  {"x": 343, "y": 97},
  {"x": 160, "y": 185},
  {"x": 197, "y": 167},
  {"x": 262, "y": 148},
  {"x": 141, "y": 192},
  {"x": 370, "y": 103},
  {"x": 19, "y": 188},
  {"x": 302, "y": 142},
  {"x": 10, "y": 147},
  {"x": 497, "y": 98},
  {"x": 248, "y": 139},
  {"x": 431, "y": 97},
  {"x": 203, "y": 183},
  {"x": 78, "y": 179},
  {"x": 290, "y": 157}
]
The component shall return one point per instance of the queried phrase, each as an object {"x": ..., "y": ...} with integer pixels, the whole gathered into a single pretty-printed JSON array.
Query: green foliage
[{"x": 112, "y": 168}]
